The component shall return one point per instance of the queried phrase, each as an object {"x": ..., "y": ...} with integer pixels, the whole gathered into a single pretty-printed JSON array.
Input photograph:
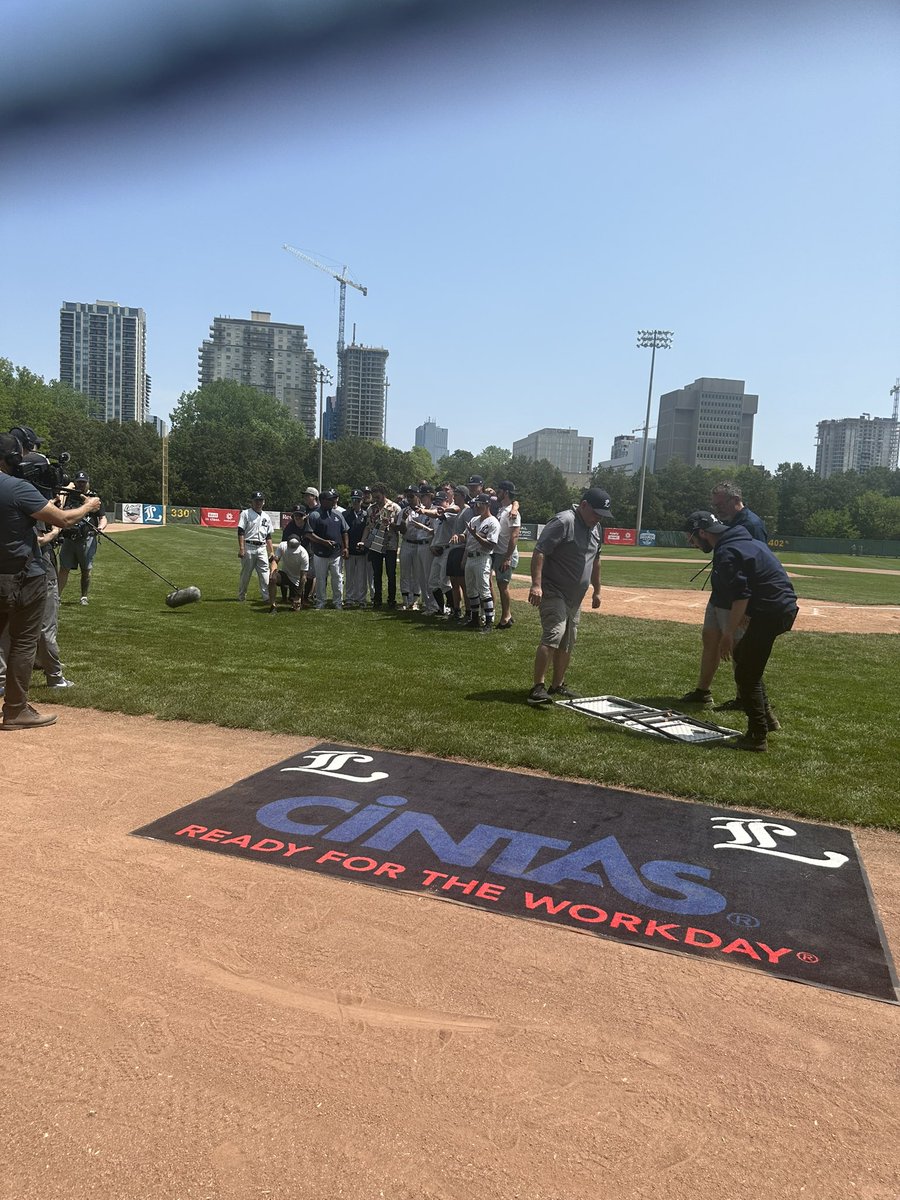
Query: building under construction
[
  {"x": 359, "y": 409},
  {"x": 856, "y": 444}
]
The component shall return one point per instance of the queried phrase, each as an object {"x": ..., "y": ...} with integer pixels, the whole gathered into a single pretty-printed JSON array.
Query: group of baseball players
[
  {"x": 450, "y": 542},
  {"x": 453, "y": 540}
]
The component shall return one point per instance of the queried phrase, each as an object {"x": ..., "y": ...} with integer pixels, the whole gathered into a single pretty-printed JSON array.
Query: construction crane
[
  {"x": 895, "y": 427},
  {"x": 343, "y": 279}
]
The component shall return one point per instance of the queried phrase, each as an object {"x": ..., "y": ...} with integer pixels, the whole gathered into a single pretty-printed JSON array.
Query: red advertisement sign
[
  {"x": 619, "y": 537},
  {"x": 220, "y": 518}
]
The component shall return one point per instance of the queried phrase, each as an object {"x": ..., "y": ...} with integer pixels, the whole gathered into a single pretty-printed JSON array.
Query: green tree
[
  {"x": 541, "y": 487},
  {"x": 457, "y": 467},
  {"x": 229, "y": 440},
  {"x": 831, "y": 523}
]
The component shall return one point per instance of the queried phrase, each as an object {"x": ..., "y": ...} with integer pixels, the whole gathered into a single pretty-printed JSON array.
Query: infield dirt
[{"x": 183, "y": 1026}]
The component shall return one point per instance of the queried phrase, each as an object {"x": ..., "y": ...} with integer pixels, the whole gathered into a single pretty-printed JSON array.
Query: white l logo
[
  {"x": 754, "y": 834},
  {"x": 330, "y": 762}
]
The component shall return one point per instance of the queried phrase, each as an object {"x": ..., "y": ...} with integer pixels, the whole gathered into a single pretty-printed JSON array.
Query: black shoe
[
  {"x": 563, "y": 692},
  {"x": 505, "y": 624},
  {"x": 734, "y": 705},
  {"x": 751, "y": 741},
  {"x": 539, "y": 697},
  {"x": 698, "y": 696}
]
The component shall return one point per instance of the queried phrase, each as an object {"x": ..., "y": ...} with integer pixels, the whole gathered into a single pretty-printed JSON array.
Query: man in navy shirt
[
  {"x": 749, "y": 583},
  {"x": 23, "y": 579},
  {"x": 726, "y": 501}
]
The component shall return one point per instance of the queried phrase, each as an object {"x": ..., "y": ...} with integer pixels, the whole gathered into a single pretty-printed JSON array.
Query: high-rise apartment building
[
  {"x": 102, "y": 353},
  {"x": 856, "y": 444},
  {"x": 561, "y": 447},
  {"x": 709, "y": 423},
  {"x": 260, "y": 353},
  {"x": 360, "y": 403},
  {"x": 433, "y": 439}
]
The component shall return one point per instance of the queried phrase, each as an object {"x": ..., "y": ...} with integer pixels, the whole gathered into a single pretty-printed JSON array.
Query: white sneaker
[
  {"x": 60, "y": 683},
  {"x": 84, "y": 600}
]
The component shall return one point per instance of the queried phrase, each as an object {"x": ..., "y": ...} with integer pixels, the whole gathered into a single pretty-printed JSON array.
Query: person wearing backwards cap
[
  {"x": 749, "y": 583},
  {"x": 254, "y": 546},
  {"x": 565, "y": 560}
]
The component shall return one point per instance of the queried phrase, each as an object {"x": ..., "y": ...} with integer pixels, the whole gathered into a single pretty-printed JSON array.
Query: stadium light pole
[
  {"x": 325, "y": 376},
  {"x": 649, "y": 339}
]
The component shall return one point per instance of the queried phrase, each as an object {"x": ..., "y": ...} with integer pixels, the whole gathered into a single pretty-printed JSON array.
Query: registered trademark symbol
[
  {"x": 806, "y": 957},
  {"x": 745, "y": 920}
]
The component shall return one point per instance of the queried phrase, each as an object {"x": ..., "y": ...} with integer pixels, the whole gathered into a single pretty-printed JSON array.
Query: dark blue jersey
[
  {"x": 751, "y": 522},
  {"x": 746, "y": 569}
]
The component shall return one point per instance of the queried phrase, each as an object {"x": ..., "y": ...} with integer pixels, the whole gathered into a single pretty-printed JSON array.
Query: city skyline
[{"x": 534, "y": 196}]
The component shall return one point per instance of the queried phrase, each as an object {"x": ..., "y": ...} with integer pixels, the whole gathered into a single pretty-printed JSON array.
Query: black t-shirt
[{"x": 18, "y": 529}]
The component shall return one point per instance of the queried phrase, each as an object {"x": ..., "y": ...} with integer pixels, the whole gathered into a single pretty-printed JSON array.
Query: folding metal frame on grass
[{"x": 641, "y": 718}]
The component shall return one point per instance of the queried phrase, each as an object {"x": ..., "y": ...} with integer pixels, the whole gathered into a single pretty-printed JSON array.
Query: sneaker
[
  {"x": 697, "y": 696},
  {"x": 539, "y": 696},
  {"x": 751, "y": 741},
  {"x": 60, "y": 683},
  {"x": 563, "y": 692},
  {"x": 731, "y": 705},
  {"x": 772, "y": 722},
  {"x": 273, "y": 609},
  {"x": 28, "y": 718},
  {"x": 84, "y": 600}
]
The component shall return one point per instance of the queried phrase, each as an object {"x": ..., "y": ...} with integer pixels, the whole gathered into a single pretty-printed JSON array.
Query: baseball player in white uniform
[{"x": 254, "y": 546}]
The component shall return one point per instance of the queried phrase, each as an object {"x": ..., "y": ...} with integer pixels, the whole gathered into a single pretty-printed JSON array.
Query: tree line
[{"x": 228, "y": 440}]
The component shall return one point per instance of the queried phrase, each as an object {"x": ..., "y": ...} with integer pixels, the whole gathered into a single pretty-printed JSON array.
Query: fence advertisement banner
[
  {"x": 220, "y": 518},
  {"x": 619, "y": 537},
  {"x": 647, "y": 537},
  {"x": 130, "y": 514},
  {"x": 153, "y": 514},
  {"x": 182, "y": 516}
]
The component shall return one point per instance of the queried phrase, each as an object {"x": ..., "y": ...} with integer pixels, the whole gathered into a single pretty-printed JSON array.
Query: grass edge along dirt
[{"x": 409, "y": 683}]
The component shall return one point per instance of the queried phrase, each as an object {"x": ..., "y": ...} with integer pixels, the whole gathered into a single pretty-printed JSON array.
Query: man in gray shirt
[{"x": 566, "y": 559}]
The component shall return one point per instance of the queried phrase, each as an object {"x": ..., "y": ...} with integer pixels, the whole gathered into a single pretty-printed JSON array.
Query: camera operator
[
  {"x": 79, "y": 543},
  {"x": 23, "y": 576}
]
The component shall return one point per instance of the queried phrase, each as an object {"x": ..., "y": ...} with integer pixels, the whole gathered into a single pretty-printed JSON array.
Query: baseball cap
[
  {"x": 475, "y": 480},
  {"x": 356, "y": 494},
  {"x": 328, "y": 494},
  {"x": 506, "y": 485},
  {"x": 461, "y": 490},
  {"x": 705, "y": 521},
  {"x": 427, "y": 490},
  {"x": 255, "y": 496},
  {"x": 82, "y": 475},
  {"x": 412, "y": 490},
  {"x": 599, "y": 501},
  {"x": 482, "y": 498},
  {"x": 26, "y": 435},
  {"x": 311, "y": 491},
  {"x": 293, "y": 543}
]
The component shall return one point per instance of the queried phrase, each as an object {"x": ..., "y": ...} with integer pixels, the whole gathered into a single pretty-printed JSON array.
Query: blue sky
[{"x": 520, "y": 196}]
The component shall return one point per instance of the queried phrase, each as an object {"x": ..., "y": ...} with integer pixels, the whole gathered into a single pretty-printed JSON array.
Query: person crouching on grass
[{"x": 288, "y": 567}]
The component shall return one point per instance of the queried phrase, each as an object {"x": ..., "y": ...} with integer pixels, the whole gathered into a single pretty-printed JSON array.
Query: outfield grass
[
  {"x": 634, "y": 570},
  {"x": 409, "y": 683}
]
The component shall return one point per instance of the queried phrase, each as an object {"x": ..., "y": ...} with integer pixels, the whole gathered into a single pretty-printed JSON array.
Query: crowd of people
[{"x": 433, "y": 549}]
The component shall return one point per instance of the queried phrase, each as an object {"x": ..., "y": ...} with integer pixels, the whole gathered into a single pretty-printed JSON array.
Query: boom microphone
[{"x": 175, "y": 599}]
